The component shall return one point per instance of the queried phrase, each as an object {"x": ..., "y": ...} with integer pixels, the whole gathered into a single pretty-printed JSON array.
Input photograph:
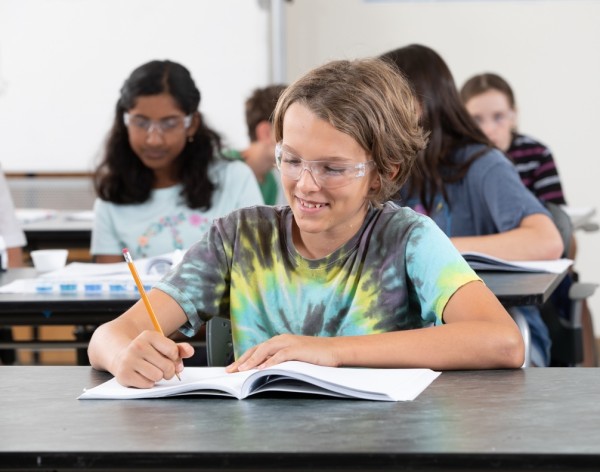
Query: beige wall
[{"x": 549, "y": 50}]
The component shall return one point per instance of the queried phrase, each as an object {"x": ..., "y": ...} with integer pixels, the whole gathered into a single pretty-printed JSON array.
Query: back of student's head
[
  {"x": 260, "y": 106},
  {"x": 122, "y": 177},
  {"x": 482, "y": 83},
  {"x": 367, "y": 100},
  {"x": 442, "y": 114},
  {"x": 441, "y": 109}
]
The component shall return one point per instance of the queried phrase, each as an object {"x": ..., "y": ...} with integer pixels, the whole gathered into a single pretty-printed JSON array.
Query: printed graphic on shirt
[{"x": 171, "y": 225}]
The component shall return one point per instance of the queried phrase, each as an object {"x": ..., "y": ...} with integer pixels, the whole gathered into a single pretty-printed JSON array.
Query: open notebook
[
  {"x": 291, "y": 376},
  {"x": 480, "y": 261}
]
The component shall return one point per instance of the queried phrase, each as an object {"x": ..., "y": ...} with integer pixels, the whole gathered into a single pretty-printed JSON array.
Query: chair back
[
  {"x": 219, "y": 344},
  {"x": 562, "y": 312},
  {"x": 563, "y": 223}
]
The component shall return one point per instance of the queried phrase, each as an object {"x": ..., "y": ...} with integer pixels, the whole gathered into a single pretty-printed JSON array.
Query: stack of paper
[
  {"x": 479, "y": 261},
  {"x": 31, "y": 215}
]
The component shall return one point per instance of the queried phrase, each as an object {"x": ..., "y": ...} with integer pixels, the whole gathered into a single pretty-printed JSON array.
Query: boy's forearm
[{"x": 466, "y": 346}]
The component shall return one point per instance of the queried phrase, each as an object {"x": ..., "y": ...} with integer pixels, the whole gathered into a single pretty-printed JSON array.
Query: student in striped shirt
[{"x": 489, "y": 99}]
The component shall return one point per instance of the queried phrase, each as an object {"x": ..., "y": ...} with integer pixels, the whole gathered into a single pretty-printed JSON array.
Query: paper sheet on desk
[
  {"x": 86, "y": 215},
  {"x": 158, "y": 265},
  {"x": 82, "y": 285},
  {"x": 480, "y": 261},
  {"x": 579, "y": 212},
  {"x": 31, "y": 215}
]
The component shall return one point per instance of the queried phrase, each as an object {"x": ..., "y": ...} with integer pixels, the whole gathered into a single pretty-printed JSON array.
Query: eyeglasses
[
  {"x": 496, "y": 119},
  {"x": 327, "y": 174},
  {"x": 163, "y": 126}
]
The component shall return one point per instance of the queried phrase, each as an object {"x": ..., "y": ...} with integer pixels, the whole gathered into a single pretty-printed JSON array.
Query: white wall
[
  {"x": 547, "y": 49},
  {"x": 62, "y": 63}
]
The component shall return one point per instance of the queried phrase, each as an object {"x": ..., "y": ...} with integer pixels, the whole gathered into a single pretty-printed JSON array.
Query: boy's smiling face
[{"x": 325, "y": 218}]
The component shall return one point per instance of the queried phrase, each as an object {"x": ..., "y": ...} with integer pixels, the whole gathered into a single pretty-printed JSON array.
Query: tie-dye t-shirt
[{"x": 398, "y": 272}]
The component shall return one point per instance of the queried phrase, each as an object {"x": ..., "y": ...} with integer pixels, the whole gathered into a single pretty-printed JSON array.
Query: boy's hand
[
  {"x": 288, "y": 347},
  {"x": 149, "y": 358}
]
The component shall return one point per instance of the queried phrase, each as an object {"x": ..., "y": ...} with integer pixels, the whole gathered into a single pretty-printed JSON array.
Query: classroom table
[
  {"x": 94, "y": 309},
  {"x": 523, "y": 419},
  {"x": 522, "y": 288},
  {"x": 58, "y": 308},
  {"x": 60, "y": 230}
]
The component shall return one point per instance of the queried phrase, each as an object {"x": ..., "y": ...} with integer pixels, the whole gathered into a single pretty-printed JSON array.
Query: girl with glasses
[
  {"x": 162, "y": 179},
  {"x": 340, "y": 276},
  {"x": 491, "y": 102}
]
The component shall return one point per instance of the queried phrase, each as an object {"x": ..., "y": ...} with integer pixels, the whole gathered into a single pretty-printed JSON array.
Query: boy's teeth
[{"x": 312, "y": 205}]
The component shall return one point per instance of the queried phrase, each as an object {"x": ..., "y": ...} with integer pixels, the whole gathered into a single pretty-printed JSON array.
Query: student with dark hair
[
  {"x": 163, "y": 178},
  {"x": 339, "y": 277},
  {"x": 467, "y": 186},
  {"x": 260, "y": 153},
  {"x": 489, "y": 99}
]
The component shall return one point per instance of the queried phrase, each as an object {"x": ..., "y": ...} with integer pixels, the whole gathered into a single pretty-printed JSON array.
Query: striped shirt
[{"x": 536, "y": 168}]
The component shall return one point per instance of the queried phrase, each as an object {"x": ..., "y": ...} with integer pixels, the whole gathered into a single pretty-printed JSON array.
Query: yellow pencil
[{"x": 145, "y": 299}]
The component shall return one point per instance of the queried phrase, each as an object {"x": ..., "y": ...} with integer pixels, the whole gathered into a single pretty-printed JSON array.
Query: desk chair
[
  {"x": 219, "y": 345},
  {"x": 563, "y": 312},
  {"x": 523, "y": 326}
]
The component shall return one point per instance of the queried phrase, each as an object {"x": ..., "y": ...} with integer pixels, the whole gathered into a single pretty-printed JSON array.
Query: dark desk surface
[
  {"x": 58, "y": 231},
  {"x": 503, "y": 420},
  {"x": 58, "y": 309},
  {"x": 522, "y": 288}
]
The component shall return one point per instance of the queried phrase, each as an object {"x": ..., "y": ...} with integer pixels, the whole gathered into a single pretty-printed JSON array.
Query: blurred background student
[
  {"x": 163, "y": 178},
  {"x": 489, "y": 99},
  {"x": 260, "y": 154},
  {"x": 12, "y": 241},
  {"x": 468, "y": 187}
]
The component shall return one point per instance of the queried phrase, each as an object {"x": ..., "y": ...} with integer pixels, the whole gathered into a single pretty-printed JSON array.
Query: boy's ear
[
  {"x": 375, "y": 183},
  {"x": 264, "y": 131}
]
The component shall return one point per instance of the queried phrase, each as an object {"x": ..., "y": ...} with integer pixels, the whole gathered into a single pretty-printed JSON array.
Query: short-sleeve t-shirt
[
  {"x": 165, "y": 223},
  {"x": 270, "y": 186},
  {"x": 398, "y": 272},
  {"x": 490, "y": 199},
  {"x": 537, "y": 168}
]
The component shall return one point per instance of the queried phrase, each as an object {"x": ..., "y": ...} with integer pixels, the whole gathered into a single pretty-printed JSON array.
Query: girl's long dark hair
[
  {"x": 121, "y": 177},
  {"x": 442, "y": 114}
]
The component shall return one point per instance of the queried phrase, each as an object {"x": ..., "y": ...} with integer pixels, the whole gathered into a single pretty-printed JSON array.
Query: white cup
[{"x": 45, "y": 260}]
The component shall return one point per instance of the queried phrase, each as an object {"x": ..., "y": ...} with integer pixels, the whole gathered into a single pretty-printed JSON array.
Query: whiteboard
[{"x": 63, "y": 62}]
